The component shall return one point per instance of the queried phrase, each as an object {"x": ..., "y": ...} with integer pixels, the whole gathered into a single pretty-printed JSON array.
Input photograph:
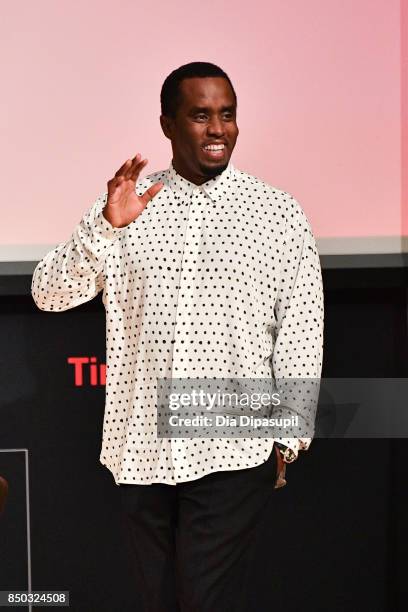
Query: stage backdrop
[{"x": 321, "y": 91}]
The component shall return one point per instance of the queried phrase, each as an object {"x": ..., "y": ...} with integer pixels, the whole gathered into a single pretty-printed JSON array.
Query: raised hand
[{"x": 123, "y": 204}]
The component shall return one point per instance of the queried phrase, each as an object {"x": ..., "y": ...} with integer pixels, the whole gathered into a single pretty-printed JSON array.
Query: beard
[{"x": 212, "y": 171}]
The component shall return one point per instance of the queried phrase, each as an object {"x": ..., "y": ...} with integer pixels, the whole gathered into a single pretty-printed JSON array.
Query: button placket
[{"x": 190, "y": 261}]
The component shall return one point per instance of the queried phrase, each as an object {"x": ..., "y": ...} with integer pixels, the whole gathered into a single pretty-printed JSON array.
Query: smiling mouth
[{"x": 215, "y": 152}]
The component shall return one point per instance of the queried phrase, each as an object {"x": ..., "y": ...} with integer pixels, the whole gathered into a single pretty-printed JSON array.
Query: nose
[{"x": 215, "y": 126}]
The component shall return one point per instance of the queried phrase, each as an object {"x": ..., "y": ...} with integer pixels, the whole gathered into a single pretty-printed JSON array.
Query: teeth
[{"x": 214, "y": 147}]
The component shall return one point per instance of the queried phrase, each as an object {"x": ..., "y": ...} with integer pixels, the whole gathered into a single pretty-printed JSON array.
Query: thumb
[{"x": 151, "y": 192}]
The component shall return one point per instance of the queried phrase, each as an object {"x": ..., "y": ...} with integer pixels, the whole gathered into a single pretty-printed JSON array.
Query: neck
[{"x": 196, "y": 179}]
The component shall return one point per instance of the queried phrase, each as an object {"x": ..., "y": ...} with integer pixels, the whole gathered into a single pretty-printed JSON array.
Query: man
[{"x": 206, "y": 272}]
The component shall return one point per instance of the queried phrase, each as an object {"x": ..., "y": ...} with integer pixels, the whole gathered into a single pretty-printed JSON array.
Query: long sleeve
[
  {"x": 73, "y": 272},
  {"x": 298, "y": 331}
]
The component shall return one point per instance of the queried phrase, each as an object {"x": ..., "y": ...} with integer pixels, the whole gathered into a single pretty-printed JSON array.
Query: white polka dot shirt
[{"x": 210, "y": 281}]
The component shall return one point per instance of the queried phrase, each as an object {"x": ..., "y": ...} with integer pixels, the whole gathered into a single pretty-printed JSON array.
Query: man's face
[{"x": 206, "y": 115}]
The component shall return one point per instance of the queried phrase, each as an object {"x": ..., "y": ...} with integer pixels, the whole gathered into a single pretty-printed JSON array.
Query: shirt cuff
[
  {"x": 105, "y": 228},
  {"x": 304, "y": 443}
]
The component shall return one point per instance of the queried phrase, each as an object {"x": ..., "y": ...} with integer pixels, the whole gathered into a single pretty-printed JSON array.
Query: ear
[{"x": 167, "y": 126}]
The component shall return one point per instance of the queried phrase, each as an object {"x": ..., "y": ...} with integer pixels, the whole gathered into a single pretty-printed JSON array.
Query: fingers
[
  {"x": 124, "y": 167},
  {"x": 114, "y": 183},
  {"x": 134, "y": 165},
  {"x": 135, "y": 170},
  {"x": 131, "y": 167},
  {"x": 130, "y": 170},
  {"x": 151, "y": 192}
]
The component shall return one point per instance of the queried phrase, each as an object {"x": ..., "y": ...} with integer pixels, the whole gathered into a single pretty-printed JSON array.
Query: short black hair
[{"x": 170, "y": 91}]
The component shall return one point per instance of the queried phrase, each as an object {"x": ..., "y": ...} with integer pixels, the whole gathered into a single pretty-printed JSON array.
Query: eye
[{"x": 203, "y": 116}]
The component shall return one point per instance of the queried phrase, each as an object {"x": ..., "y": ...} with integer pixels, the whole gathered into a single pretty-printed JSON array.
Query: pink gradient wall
[{"x": 319, "y": 104}]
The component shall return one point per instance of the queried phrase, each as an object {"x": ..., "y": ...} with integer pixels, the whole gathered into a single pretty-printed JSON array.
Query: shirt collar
[{"x": 215, "y": 187}]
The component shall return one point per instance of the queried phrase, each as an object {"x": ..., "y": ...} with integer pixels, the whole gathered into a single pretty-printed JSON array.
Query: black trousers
[{"x": 192, "y": 544}]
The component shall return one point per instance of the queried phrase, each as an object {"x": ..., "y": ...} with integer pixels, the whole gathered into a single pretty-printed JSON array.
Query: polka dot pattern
[{"x": 210, "y": 281}]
